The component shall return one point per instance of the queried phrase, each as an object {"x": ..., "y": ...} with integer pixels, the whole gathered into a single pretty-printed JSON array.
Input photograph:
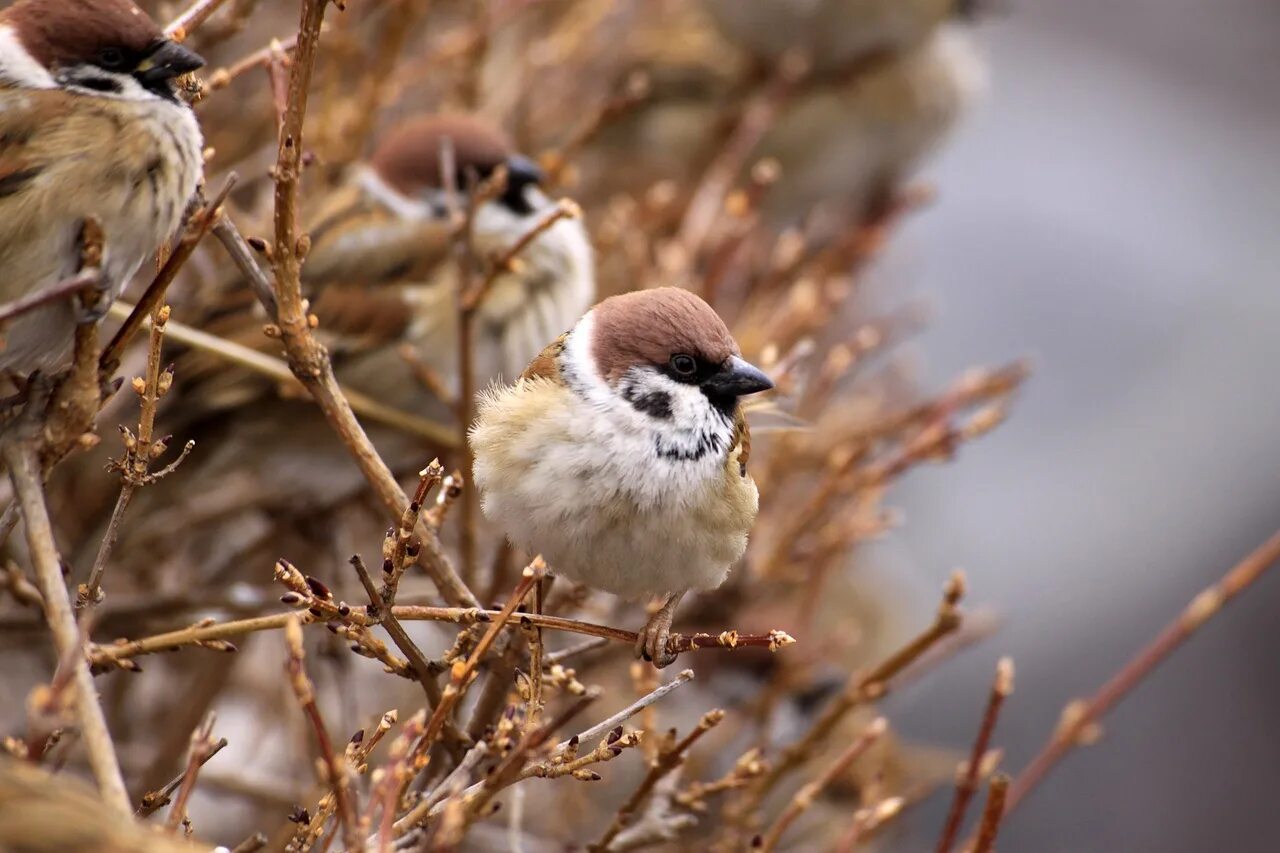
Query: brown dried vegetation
[{"x": 450, "y": 734}]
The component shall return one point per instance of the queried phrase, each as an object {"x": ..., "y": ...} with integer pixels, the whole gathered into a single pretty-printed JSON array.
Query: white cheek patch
[{"x": 18, "y": 67}]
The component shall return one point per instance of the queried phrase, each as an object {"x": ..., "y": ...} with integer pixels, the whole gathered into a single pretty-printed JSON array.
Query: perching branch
[{"x": 20, "y": 455}]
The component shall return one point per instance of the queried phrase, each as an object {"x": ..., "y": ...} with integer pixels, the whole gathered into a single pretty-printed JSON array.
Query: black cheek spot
[{"x": 655, "y": 404}]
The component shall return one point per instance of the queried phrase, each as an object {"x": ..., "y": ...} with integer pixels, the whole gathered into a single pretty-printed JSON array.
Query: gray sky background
[{"x": 1112, "y": 210}]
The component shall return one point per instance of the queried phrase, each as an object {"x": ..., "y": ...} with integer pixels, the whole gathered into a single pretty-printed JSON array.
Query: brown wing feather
[{"x": 546, "y": 365}]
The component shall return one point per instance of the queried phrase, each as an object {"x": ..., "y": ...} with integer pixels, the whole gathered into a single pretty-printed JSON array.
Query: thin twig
[
  {"x": 106, "y": 655},
  {"x": 630, "y": 711},
  {"x": 335, "y": 765},
  {"x": 139, "y": 452},
  {"x": 54, "y": 293},
  {"x": 992, "y": 814},
  {"x": 202, "y": 749},
  {"x": 804, "y": 798},
  {"x": 666, "y": 762},
  {"x": 222, "y": 77},
  {"x": 866, "y": 820},
  {"x": 153, "y": 801},
  {"x": 307, "y": 358},
  {"x": 868, "y": 687},
  {"x": 461, "y": 673},
  {"x": 1081, "y": 716},
  {"x": 181, "y": 27},
  {"x": 20, "y": 457},
  {"x": 967, "y": 779},
  {"x": 197, "y": 227},
  {"x": 273, "y": 368}
]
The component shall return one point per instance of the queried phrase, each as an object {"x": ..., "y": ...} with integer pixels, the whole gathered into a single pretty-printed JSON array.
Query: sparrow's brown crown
[
  {"x": 408, "y": 158},
  {"x": 649, "y": 327},
  {"x": 68, "y": 32}
]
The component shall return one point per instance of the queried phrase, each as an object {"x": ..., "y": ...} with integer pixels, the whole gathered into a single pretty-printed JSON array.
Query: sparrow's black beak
[
  {"x": 737, "y": 378},
  {"x": 521, "y": 172},
  {"x": 167, "y": 61}
]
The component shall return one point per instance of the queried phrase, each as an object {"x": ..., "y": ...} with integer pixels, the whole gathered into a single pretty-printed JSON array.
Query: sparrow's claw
[
  {"x": 651, "y": 643},
  {"x": 92, "y": 304}
]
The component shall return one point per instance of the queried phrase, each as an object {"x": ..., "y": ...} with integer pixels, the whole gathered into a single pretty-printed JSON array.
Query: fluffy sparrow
[
  {"x": 44, "y": 813},
  {"x": 621, "y": 453},
  {"x": 381, "y": 273},
  {"x": 90, "y": 126}
]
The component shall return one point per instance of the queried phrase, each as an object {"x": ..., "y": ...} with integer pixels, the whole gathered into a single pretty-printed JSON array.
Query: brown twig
[
  {"x": 669, "y": 759},
  {"x": 222, "y": 77},
  {"x": 335, "y": 765},
  {"x": 107, "y": 655},
  {"x": 201, "y": 750},
  {"x": 868, "y": 687},
  {"x": 273, "y": 368},
  {"x": 967, "y": 778},
  {"x": 754, "y": 122},
  {"x": 804, "y": 798},
  {"x": 461, "y": 673},
  {"x": 139, "y": 452},
  {"x": 1079, "y": 717},
  {"x": 20, "y": 456},
  {"x": 992, "y": 814},
  {"x": 190, "y": 20},
  {"x": 635, "y": 90},
  {"x": 153, "y": 801},
  {"x": 307, "y": 358},
  {"x": 866, "y": 820},
  {"x": 63, "y": 290}
]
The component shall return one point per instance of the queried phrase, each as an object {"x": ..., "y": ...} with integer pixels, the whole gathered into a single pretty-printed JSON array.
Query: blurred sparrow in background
[
  {"x": 621, "y": 453},
  {"x": 878, "y": 85},
  {"x": 383, "y": 278},
  {"x": 90, "y": 127},
  {"x": 382, "y": 275}
]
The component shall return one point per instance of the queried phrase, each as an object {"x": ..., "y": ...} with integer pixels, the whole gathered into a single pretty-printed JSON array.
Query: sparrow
[
  {"x": 90, "y": 127},
  {"x": 620, "y": 455},
  {"x": 43, "y": 812},
  {"x": 382, "y": 275}
]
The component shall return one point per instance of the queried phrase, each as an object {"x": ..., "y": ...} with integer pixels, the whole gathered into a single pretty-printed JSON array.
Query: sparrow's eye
[
  {"x": 684, "y": 365},
  {"x": 110, "y": 57}
]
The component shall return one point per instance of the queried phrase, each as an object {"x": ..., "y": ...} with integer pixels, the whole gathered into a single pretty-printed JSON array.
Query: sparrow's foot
[
  {"x": 92, "y": 305},
  {"x": 651, "y": 643}
]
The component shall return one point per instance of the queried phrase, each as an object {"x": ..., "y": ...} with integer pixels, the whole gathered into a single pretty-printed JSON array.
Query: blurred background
[{"x": 1111, "y": 210}]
